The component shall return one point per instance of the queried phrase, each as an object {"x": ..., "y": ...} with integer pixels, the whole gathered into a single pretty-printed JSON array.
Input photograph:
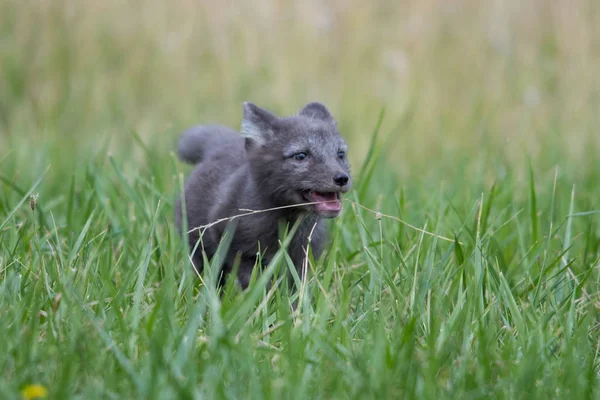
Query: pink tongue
[{"x": 326, "y": 201}]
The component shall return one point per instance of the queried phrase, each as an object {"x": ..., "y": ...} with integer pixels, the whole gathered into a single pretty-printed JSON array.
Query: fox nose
[{"x": 340, "y": 179}]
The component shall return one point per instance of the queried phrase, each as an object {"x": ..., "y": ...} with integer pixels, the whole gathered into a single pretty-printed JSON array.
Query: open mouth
[{"x": 326, "y": 202}]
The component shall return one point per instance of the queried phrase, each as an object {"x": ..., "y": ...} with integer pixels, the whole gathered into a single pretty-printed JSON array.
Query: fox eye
[
  {"x": 341, "y": 154},
  {"x": 300, "y": 156}
]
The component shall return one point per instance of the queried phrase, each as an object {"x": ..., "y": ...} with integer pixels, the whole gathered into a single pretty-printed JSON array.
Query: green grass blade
[
  {"x": 23, "y": 199},
  {"x": 533, "y": 206}
]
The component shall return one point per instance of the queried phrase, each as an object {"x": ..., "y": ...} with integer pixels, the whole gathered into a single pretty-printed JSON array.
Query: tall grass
[{"x": 488, "y": 138}]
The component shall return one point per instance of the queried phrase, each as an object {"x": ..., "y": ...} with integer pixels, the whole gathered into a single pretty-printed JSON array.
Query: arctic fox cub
[{"x": 276, "y": 162}]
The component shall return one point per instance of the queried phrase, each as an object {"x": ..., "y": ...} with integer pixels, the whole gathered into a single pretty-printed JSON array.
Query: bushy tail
[{"x": 197, "y": 143}]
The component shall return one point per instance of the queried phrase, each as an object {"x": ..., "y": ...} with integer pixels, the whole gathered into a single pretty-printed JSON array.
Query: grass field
[{"x": 466, "y": 263}]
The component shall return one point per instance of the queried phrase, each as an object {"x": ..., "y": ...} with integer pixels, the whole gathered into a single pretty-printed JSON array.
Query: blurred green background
[{"x": 469, "y": 87}]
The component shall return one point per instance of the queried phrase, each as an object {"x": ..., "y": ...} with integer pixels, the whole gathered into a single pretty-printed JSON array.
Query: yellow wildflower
[{"x": 34, "y": 392}]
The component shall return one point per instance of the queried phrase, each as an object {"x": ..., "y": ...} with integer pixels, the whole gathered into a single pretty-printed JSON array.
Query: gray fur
[
  {"x": 317, "y": 111},
  {"x": 200, "y": 143},
  {"x": 260, "y": 172}
]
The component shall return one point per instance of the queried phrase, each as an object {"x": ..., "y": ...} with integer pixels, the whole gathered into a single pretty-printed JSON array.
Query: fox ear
[
  {"x": 317, "y": 111},
  {"x": 257, "y": 124}
]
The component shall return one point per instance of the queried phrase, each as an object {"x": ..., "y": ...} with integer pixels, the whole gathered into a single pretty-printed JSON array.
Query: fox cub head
[{"x": 298, "y": 159}]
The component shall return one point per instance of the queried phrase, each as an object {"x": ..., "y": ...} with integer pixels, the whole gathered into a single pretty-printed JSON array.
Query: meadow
[{"x": 466, "y": 262}]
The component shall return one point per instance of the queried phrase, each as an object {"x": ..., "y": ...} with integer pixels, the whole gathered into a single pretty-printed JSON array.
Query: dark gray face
[{"x": 298, "y": 159}]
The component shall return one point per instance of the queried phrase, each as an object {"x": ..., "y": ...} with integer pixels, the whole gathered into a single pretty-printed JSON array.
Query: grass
[
  {"x": 465, "y": 263},
  {"x": 99, "y": 301}
]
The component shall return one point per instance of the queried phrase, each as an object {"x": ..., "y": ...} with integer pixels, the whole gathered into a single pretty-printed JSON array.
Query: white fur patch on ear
[
  {"x": 254, "y": 132},
  {"x": 256, "y": 124}
]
